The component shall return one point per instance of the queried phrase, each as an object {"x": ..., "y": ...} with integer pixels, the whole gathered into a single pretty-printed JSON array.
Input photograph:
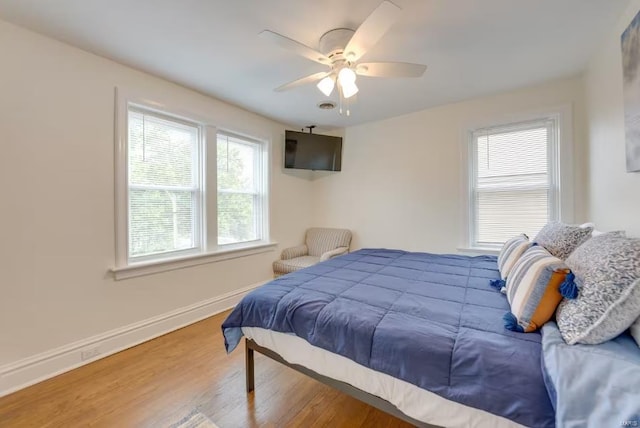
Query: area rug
[{"x": 195, "y": 420}]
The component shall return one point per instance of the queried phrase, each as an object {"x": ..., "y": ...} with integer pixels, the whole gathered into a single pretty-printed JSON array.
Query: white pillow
[
  {"x": 592, "y": 225},
  {"x": 595, "y": 231}
]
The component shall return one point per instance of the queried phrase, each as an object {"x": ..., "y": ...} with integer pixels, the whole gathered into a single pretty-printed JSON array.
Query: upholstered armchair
[{"x": 320, "y": 244}]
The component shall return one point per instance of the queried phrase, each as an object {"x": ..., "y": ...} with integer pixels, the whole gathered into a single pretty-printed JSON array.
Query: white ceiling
[{"x": 472, "y": 47}]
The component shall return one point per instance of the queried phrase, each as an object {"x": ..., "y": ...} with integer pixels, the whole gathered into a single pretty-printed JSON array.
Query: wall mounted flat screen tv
[{"x": 312, "y": 151}]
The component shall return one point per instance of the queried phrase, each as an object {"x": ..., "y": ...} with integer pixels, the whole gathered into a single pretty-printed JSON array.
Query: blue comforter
[{"x": 431, "y": 320}]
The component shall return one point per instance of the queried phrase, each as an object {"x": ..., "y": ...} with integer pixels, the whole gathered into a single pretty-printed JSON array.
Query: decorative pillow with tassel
[
  {"x": 536, "y": 285},
  {"x": 607, "y": 269},
  {"x": 511, "y": 251}
]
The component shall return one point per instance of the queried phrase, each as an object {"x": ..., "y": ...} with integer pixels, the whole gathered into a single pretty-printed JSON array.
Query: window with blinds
[
  {"x": 184, "y": 189},
  {"x": 513, "y": 181},
  {"x": 164, "y": 185},
  {"x": 239, "y": 189}
]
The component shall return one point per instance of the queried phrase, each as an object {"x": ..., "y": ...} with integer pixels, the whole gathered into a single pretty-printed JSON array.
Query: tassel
[
  {"x": 497, "y": 283},
  {"x": 568, "y": 288},
  {"x": 511, "y": 323}
]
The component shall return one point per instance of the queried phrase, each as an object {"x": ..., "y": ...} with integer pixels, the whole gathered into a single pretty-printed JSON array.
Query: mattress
[
  {"x": 429, "y": 320},
  {"x": 415, "y": 402}
]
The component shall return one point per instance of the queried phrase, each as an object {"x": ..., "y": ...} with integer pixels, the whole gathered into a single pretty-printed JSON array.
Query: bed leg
[{"x": 248, "y": 353}]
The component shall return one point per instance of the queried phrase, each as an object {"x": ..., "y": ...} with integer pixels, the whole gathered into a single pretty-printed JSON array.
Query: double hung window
[
  {"x": 185, "y": 189},
  {"x": 513, "y": 181}
]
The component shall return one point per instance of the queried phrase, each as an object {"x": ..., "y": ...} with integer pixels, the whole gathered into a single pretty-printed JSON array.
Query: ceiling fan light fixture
[
  {"x": 346, "y": 76},
  {"x": 347, "y": 81},
  {"x": 326, "y": 85},
  {"x": 349, "y": 89}
]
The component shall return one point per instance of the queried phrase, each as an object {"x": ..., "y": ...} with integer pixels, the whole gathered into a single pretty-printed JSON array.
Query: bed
[{"x": 418, "y": 335}]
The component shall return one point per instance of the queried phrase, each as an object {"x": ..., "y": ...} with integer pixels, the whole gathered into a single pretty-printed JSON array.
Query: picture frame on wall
[{"x": 630, "y": 42}]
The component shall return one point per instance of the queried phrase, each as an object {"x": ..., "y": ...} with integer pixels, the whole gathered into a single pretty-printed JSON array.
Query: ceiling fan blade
[
  {"x": 308, "y": 79},
  {"x": 390, "y": 69},
  {"x": 371, "y": 30},
  {"x": 296, "y": 47}
]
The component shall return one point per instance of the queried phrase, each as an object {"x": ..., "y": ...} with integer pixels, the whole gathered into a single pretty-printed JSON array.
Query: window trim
[
  {"x": 209, "y": 251},
  {"x": 562, "y": 197},
  {"x": 165, "y": 265}
]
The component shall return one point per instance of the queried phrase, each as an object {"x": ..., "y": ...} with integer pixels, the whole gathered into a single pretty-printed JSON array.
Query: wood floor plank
[{"x": 159, "y": 382}]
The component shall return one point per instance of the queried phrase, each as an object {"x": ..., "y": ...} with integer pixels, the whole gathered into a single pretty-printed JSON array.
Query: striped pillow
[
  {"x": 511, "y": 252},
  {"x": 533, "y": 289}
]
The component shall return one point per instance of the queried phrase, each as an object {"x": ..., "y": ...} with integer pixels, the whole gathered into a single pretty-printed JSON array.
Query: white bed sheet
[{"x": 413, "y": 401}]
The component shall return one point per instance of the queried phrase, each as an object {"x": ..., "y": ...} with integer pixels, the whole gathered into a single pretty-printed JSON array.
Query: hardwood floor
[{"x": 161, "y": 381}]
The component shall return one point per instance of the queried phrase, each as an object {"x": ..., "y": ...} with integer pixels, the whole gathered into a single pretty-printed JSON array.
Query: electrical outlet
[{"x": 90, "y": 353}]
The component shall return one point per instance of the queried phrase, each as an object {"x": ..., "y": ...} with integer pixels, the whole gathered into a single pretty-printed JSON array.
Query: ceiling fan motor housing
[{"x": 333, "y": 42}]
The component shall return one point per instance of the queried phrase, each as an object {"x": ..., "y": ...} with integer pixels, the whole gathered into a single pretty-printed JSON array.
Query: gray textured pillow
[
  {"x": 607, "y": 270},
  {"x": 635, "y": 331},
  {"x": 561, "y": 239}
]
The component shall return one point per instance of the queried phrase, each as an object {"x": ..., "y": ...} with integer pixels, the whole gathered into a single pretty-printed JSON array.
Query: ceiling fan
[{"x": 341, "y": 49}]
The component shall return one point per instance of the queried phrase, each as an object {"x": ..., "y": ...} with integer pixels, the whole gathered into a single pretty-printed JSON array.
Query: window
[
  {"x": 185, "y": 190},
  {"x": 164, "y": 185},
  {"x": 513, "y": 181},
  {"x": 239, "y": 192}
]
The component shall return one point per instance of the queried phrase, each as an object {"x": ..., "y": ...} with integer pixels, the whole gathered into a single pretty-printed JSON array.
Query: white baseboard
[{"x": 34, "y": 369}]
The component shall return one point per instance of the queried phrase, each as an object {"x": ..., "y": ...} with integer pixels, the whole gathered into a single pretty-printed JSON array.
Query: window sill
[
  {"x": 157, "y": 266},
  {"x": 479, "y": 251}
]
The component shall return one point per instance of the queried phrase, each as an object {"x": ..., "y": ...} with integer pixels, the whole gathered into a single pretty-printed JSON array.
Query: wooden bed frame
[{"x": 372, "y": 400}]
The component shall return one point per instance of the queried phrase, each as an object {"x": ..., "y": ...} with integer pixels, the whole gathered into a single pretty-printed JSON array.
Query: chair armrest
[
  {"x": 334, "y": 253},
  {"x": 293, "y": 252}
]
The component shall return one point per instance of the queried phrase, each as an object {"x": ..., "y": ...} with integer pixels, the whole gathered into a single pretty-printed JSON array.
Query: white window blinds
[
  {"x": 163, "y": 180},
  {"x": 514, "y": 184},
  {"x": 240, "y": 184}
]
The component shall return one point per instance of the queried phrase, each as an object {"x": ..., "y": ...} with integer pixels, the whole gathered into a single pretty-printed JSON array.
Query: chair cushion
[
  {"x": 292, "y": 265},
  {"x": 319, "y": 240}
]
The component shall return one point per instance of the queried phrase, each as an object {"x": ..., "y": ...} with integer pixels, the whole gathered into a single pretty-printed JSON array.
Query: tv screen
[{"x": 312, "y": 151}]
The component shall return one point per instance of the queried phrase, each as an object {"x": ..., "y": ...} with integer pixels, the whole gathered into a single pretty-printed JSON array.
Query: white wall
[
  {"x": 57, "y": 212},
  {"x": 614, "y": 194},
  {"x": 402, "y": 180}
]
